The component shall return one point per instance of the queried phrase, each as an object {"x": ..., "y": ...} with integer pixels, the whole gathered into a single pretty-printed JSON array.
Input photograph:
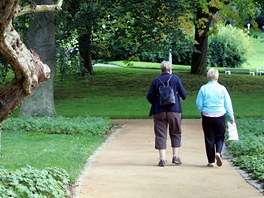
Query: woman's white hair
[
  {"x": 165, "y": 66},
  {"x": 212, "y": 74}
]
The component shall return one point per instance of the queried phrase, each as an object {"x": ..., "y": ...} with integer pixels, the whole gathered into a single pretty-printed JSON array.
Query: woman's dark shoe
[
  {"x": 210, "y": 164},
  {"x": 218, "y": 159}
]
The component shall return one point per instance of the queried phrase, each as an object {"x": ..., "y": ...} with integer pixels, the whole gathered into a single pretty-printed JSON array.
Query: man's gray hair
[
  {"x": 165, "y": 66},
  {"x": 212, "y": 74}
]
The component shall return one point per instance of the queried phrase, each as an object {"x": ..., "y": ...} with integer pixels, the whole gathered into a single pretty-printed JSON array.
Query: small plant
[{"x": 29, "y": 182}]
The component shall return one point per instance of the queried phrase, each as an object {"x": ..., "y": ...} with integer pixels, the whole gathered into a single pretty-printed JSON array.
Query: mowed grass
[
  {"x": 256, "y": 60},
  {"x": 70, "y": 152},
  {"x": 121, "y": 93}
]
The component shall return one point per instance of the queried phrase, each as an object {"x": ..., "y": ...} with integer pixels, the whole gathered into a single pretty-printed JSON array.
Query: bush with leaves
[
  {"x": 230, "y": 47},
  {"x": 180, "y": 44},
  {"x": 29, "y": 182},
  {"x": 59, "y": 125},
  {"x": 249, "y": 151},
  {"x": 182, "y": 49},
  {"x": 154, "y": 55}
]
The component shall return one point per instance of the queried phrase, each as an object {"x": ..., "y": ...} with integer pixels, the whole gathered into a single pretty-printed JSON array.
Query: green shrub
[
  {"x": 249, "y": 151},
  {"x": 229, "y": 48},
  {"x": 59, "y": 125},
  {"x": 182, "y": 50},
  {"x": 180, "y": 44},
  {"x": 29, "y": 182},
  {"x": 155, "y": 53}
]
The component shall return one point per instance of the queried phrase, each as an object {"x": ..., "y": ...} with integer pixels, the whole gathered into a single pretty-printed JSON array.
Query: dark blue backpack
[{"x": 166, "y": 93}]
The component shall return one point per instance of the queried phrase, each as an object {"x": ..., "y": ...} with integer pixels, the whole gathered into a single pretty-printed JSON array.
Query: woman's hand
[{"x": 232, "y": 121}]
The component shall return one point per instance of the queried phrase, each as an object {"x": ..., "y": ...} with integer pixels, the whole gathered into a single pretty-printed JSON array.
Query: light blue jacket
[{"x": 213, "y": 99}]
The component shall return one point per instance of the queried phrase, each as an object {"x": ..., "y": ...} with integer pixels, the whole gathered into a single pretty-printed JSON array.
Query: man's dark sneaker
[
  {"x": 161, "y": 163},
  {"x": 176, "y": 160}
]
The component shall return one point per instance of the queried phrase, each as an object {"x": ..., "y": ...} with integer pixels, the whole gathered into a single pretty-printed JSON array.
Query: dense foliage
[
  {"x": 29, "y": 182},
  {"x": 59, "y": 125},
  {"x": 117, "y": 30},
  {"x": 131, "y": 30},
  {"x": 229, "y": 48},
  {"x": 249, "y": 151}
]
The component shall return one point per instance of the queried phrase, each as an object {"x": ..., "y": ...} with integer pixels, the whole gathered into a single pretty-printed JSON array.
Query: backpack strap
[
  {"x": 162, "y": 82},
  {"x": 168, "y": 81}
]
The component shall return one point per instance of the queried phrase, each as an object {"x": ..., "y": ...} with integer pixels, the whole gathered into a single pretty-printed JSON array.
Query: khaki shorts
[{"x": 161, "y": 123}]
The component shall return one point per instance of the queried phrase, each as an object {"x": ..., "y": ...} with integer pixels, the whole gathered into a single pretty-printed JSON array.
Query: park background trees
[
  {"x": 128, "y": 30},
  {"x": 145, "y": 31}
]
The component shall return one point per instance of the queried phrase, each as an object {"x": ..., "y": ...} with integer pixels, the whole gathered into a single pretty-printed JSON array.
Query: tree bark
[
  {"x": 41, "y": 37},
  {"x": 199, "y": 56},
  {"x": 28, "y": 68},
  {"x": 85, "y": 51}
]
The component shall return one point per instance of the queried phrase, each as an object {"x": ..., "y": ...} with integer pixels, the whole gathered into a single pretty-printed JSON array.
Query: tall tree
[
  {"x": 29, "y": 70},
  {"x": 207, "y": 11},
  {"x": 202, "y": 25},
  {"x": 78, "y": 22},
  {"x": 41, "y": 39}
]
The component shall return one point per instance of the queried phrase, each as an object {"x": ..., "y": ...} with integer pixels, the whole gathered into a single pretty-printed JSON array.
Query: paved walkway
[{"x": 126, "y": 167}]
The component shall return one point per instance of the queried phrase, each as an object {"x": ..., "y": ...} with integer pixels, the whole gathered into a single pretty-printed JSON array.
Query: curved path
[{"x": 126, "y": 167}]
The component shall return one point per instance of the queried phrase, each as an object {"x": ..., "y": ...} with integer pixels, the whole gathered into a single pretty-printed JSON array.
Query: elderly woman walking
[
  {"x": 214, "y": 102},
  {"x": 167, "y": 115}
]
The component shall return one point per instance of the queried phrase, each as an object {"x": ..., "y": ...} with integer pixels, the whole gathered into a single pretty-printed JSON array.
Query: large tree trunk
[
  {"x": 85, "y": 51},
  {"x": 28, "y": 68},
  {"x": 41, "y": 38},
  {"x": 199, "y": 56}
]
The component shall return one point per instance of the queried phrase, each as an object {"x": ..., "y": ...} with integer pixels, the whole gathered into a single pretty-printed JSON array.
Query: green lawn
[
  {"x": 20, "y": 148},
  {"x": 256, "y": 60},
  {"x": 121, "y": 93}
]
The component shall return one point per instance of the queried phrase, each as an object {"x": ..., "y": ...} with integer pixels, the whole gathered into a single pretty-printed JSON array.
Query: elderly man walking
[{"x": 168, "y": 114}]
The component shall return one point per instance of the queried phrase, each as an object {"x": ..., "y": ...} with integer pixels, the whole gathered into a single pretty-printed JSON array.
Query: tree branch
[
  {"x": 38, "y": 8},
  {"x": 7, "y": 9},
  {"x": 29, "y": 70}
]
